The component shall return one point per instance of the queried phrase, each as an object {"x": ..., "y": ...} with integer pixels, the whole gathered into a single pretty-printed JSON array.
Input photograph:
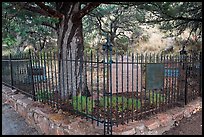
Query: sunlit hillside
[{"x": 158, "y": 42}]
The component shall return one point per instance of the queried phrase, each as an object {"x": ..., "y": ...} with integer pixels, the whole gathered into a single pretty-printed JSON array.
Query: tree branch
[
  {"x": 35, "y": 9},
  {"x": 88, "y": 8},
  {"x": 155, "y": 21},
  {"x": 50, "y": 11},
  {"x": 49, "y": 25},
  {"x": 187, "y": 19},
  {"x": 125, "y": 3}
]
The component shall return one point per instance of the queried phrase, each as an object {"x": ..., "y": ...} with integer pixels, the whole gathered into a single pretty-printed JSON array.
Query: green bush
[
  {"x": 82, "y": 104},
  {"x": 121, "y": 103},
  {"x": 155, "y": 97},
  {"x": 44, "y": 95}
]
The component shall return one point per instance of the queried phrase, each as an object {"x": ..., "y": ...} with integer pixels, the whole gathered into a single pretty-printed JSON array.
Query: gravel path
[{"x": 13, "y": 123}]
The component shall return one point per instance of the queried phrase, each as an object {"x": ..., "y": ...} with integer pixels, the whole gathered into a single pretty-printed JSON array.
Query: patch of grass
[
  {"x": 120, "y": 103},
  {"x": 82, "y": 104}
]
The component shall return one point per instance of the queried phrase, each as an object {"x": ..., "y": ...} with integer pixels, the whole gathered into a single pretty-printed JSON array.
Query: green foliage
[
  {"x": 44, "y": 95},
  {"x": 23, "y": 24},
  {"x": 122, "y": 103},
  {"x": 83, "y": 104},
  {"x": 123, "y": 40},
  {"x": 155, "y": 98},
  {"x": 9, "y": 41},
  {"x": 174, "y": 17}
]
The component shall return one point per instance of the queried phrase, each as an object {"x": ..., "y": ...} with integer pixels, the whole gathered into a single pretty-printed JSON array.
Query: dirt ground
[{"x": 188, "y": 126}]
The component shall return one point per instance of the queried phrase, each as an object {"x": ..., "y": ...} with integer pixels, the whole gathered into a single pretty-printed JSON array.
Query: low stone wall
[{"x": 49, "y": 122}]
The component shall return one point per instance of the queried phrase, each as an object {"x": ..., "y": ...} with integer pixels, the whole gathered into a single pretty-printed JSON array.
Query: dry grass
[{"x": 156, "y": 44}]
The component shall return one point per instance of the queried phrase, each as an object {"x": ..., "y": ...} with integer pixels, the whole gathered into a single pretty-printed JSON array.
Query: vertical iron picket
[
  {"x": 11, "y": 71},
  {"x": 110, "y": 94},
  {"x": 127, "y": 84},
  {"x": 132, "y": 86},
  {"x": 52, "y": 89},
  {"x": 86, "y": 94},
  {"x": 186, "y": 82},
  {"x": 122, "y": 92},
  {"x": 31, "y": 70},
  {"x": 117, "y": 116},
  {"x": 47, "y": 72},
  {"x": 145, "y": 90},
  {"x": 56, "y": 84},
  {"x": 42, "y": 78},
  {"x": 48, "y": 79},
  {"x": 141, "y": 74},
  {"x": 137, "y": 97},
  {"x": 150, "y": 93},
  {"x": 67, "y": 76},
  {"x": 97, "y": 81},
  {"x": 200, "y": 74},
  {"x": 92, "y": 105},
  {"x": 104, "y": 88},
  {"x": 170, "y": 81},
  {"x": 72, "y": 80}
]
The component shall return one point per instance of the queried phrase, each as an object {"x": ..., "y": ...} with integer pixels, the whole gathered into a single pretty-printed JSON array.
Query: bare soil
[{"x": 188, "y": 126}]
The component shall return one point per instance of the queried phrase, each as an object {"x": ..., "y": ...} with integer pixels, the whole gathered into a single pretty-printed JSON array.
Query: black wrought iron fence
[{"x": 109, "y": 89}]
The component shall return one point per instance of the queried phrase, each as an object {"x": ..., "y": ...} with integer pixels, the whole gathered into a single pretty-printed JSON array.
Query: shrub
[
  {"x": 155, "y": 97},
  {"x": 82, "y": 104},
  {"x": 44, "y": 95},
  {"x": 121, "y": 103}
]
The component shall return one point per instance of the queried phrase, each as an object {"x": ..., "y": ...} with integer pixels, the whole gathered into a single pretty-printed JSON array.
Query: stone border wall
[{"x": 49, "y": 122}]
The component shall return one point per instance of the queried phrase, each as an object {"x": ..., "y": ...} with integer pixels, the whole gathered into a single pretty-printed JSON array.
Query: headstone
[
  {"x": 154, "y": 76},
  {"x": 128, "y": 76}
]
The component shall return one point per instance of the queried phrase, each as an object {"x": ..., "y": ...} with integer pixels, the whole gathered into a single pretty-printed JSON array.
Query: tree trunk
[{"x": 70, "y": 41}]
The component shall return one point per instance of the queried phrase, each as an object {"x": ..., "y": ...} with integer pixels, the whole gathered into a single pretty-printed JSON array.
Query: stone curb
[{"x": 50, "y": 123}]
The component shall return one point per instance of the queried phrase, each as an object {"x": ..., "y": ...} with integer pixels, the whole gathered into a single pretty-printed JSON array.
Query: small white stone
[{"x": 60, "y": 111}]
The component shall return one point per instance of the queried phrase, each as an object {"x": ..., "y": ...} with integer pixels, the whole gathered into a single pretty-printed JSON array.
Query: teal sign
[
  {"x": 171, "y": 72},
  {"x": 154, "y": 76}
]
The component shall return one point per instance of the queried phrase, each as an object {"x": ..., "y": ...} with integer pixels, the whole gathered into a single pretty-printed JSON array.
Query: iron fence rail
[{"x": 110, "y": 89}]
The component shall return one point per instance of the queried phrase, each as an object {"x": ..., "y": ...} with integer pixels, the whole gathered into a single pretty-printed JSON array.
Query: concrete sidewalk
[{"x": 13, "y": 123}]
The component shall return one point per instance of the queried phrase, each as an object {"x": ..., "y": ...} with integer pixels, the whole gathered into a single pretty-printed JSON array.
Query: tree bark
[{"x": 70, "y": 41}]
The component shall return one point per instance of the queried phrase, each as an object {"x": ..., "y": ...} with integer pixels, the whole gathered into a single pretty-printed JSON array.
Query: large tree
[
  {"x": 112, "y": 20},
  {"x": 69, "y": 32}
]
